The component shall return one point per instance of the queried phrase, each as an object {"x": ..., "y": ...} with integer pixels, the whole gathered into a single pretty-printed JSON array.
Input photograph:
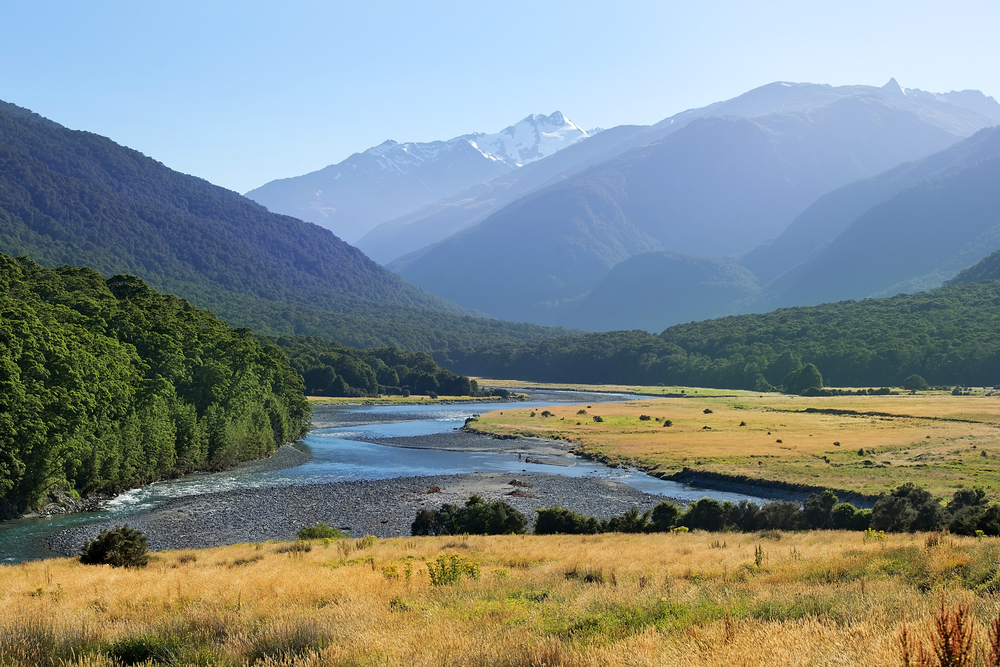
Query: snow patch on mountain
[{"x": 533, "y": 138}]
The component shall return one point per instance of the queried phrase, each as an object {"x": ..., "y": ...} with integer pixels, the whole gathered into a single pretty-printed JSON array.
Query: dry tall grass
[
  {"x": 824, "y": 598},
  {"x": 939, "y": 441}
]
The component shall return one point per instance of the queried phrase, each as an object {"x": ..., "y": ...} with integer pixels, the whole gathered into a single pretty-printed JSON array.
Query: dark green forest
[
  {"x": 333, "y": 369},
  {"x": 71, "y": 197},
  {"x": 106, "y": 384},
  {"x": 949, "y": 336}
]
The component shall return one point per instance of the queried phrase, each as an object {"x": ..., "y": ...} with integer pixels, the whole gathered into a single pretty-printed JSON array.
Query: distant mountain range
[
  {"x": 392, "y": 179},
  {"x": 393, "y": 240},
  {"x": 69, "y": 197},
  {"x": 906, "y": 230},
  {"x": 718, "y": 182}
]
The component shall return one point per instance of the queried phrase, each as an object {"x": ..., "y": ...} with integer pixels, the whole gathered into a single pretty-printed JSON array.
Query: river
[{"x": 340, "y": 450}]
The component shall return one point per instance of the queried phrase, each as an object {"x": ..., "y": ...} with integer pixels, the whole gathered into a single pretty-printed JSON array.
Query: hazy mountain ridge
[
  {"x": 392, "y": 179},
  {"x": 717, "y": 186},
  {"x": 392, "y": 242},
  {"x": 939, "y": 216},
  {"x": 398, "y": 242}
]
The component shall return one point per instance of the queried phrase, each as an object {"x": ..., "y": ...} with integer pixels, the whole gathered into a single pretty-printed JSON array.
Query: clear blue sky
[{"x": 244, "y": 92}]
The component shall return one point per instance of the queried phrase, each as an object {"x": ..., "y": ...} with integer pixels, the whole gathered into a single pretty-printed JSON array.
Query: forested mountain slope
[
  {"x": 70, "y": 197},
  {"x": 107, "y": 384},
  {"x": 914, "y": 239},
  {"x": 947, "y": 335},
  {"x": 988, "y": 268}
]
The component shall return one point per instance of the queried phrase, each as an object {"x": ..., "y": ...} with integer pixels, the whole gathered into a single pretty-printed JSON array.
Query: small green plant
[
  {"x": 365, "y": 542},
  {"x": 667, "y": 422},
  {"x": 449, "y": 570},
  {"x": 581, "y": 412},
  {"x": 319, "y": 531},
  {"x": 758, "y": 556},
  {"x": 875, "y": 535},
  {"x": 598, "y": 418},
  {"x": 390, "y": 572},
  {"x": 680, "y": 529},
  {"x": 120, "y": 547}
]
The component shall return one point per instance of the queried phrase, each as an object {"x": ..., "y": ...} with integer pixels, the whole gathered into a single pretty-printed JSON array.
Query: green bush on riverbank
[{"x": 107, "y": 384}]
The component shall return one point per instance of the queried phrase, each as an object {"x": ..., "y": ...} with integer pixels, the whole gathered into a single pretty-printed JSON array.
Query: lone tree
[
  {"x": 915, "y": 383},
  {"x": 805, "y": 378}
]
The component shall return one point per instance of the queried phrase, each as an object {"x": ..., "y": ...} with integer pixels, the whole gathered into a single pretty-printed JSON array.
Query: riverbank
[{"x": 384, "y": 508}]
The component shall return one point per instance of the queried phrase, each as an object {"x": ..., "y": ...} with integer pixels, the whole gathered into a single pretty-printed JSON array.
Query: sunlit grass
[
  {"x": 697, "y": 598},
  {"x": 938, "y": 440}
]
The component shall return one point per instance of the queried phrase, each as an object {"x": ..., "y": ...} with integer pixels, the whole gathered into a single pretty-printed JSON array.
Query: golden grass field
[
  {"x": 816, "y": 598},
  {"x": 937, "y": 440}
]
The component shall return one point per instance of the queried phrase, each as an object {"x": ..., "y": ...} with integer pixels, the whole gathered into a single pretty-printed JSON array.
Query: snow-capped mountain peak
[
  {"x": 533, "y": 138},
  {"x": 393, "y": 178}
]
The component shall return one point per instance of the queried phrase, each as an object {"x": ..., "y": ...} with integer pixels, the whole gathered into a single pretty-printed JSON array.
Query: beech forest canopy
[
  {"x": 107, "y": 384},
  {"x": 333, "y": 369},
  {"x": 947, "y": 336}
]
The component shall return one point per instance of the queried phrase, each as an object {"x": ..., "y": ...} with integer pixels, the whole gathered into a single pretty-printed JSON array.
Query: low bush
[
  {"x": 478, "y": 517},
  {"x": 119, "y": 547},
  {"x": 319, "y": 531}
]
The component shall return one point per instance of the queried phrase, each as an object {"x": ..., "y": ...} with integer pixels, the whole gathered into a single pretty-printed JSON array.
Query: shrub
[
  {"x": 119, "y": 547},
  {"x": 846, "y": 516},
  {"x": 631, "y": 521},
  {"x": 318, "y": 532},
  {"x": 664, "y": 517},
  {"x": 554, "y": 520},
  {"x": 478, "y": 517},
  {"x": 706, "y": 514},
  {"x": 915, "y": 383}
]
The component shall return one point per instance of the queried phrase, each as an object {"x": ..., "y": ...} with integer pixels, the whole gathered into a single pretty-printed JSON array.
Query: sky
[{"x": 241, "y": 93}]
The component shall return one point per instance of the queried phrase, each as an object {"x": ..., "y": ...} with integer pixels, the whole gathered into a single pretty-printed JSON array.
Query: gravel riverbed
[{"x": 384, "y": 508}]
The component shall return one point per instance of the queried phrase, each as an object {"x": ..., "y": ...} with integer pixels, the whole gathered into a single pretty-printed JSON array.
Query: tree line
[
  {"x": 107, "y": 384},
  {"x": 908, "y": 508},
  {"x": 945, "y": 336},
  {"x": 329, "y": 368}
]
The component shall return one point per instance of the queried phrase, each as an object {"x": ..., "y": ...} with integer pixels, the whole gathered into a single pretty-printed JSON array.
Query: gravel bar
[{"x": 384, "y": 508}]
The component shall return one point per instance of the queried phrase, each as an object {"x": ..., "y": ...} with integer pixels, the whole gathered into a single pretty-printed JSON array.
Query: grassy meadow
[
  {"x": 814, "y": 598},
  {"x": 934, "y": 439}
]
